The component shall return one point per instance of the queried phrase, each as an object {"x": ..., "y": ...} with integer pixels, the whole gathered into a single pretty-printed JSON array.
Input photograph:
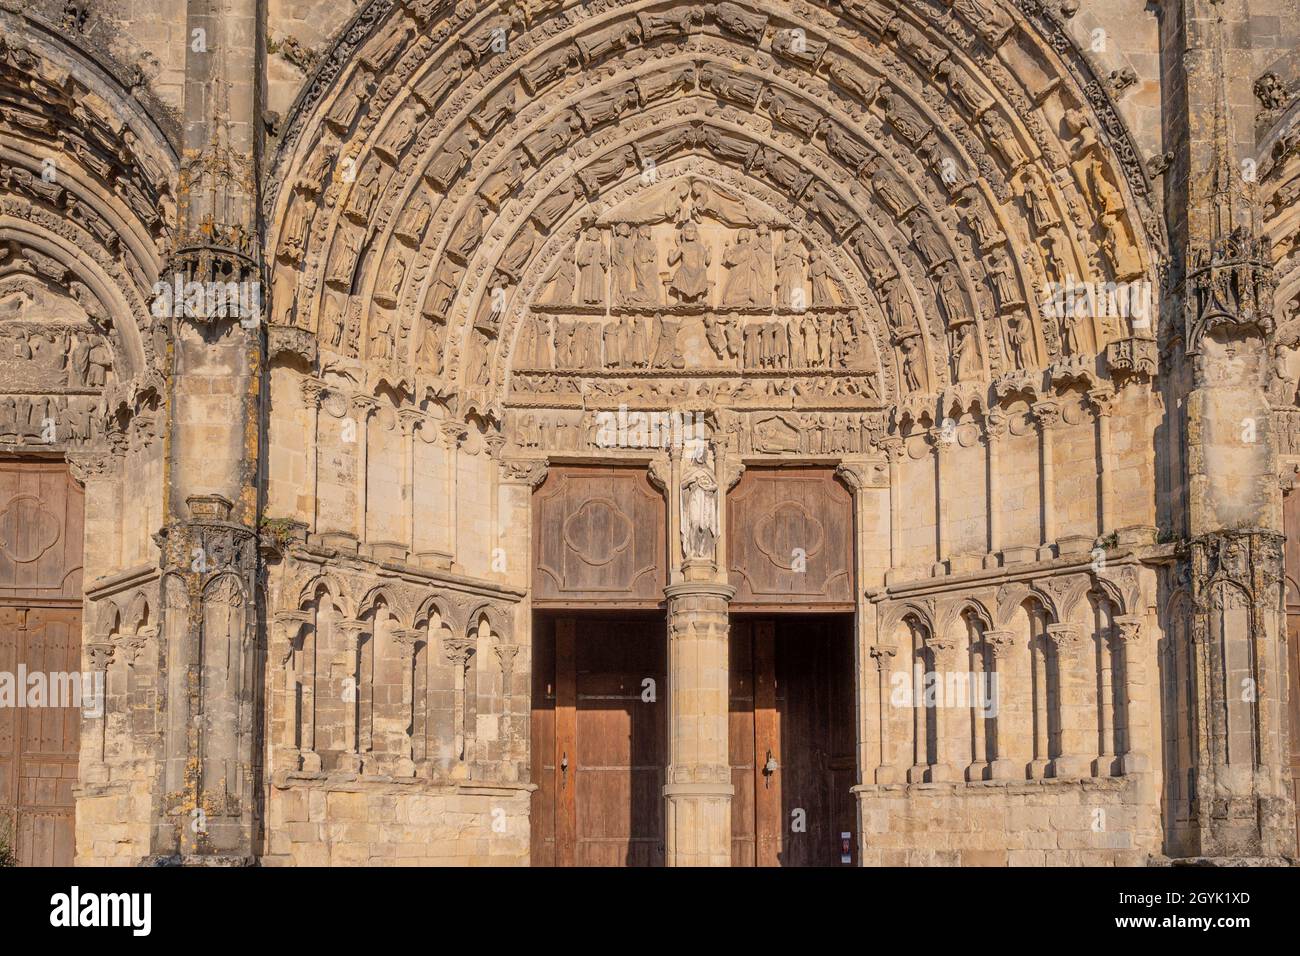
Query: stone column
[
  {"x": 1002, "y": 645},
  {"x": 980, "y": 683},
  {"x": 941, "y": 444},
  {"x": 364, "y": 406},
  {"x": 869, "y": 482},
  {"x": 699, "y": 790},
  {"x": 100, "y": 653},
  {"x": 453, "y": 435},
  {"x": 1073, "y": 677},
  {"x": 948, "y": 721},
  {"x": 995, "y": 428},
  {"x": 288, "y": 628},
  {"x": 1133, "y": 690},
  {"x": 1102, "y": 400},
  {"x": 409, "y": 419},
  {"x": 1048, "y": 414},
  {"x": 458, "y": 650},
  {"x": 351, "y": 761},
  {"x": 408, "y": 642},
  {"x": 887, "y": 771},
  {"x": 312, "y": 393}
]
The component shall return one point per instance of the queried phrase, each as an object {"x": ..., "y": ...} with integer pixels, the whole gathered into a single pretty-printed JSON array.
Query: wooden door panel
[
  {"x": 39, "y": 744},
  {"x": 598, "y": 539},
  {"x": 741, "y": 744},
  {"x": 790, "y": 540},
  {"x": 796, "y": 676},
  {"x": 599, "y": 800},
  {"x": 42, "y": 516}
]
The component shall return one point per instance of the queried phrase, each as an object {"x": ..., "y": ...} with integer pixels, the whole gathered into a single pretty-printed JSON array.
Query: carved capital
[
  {"x": 1048, "y": 413},
  {"x": 101, "y": 654},
  {"x": 1128, "y": 629},
  {"x": 1001, "y": 643},
  {"x": 883, "y": 654},
  {"x": 453, "y": 434},
  {"x": 528, "y": 471},
  {"x": 407, "y": 639},
  {"x": 1066, "y": 638},
  {"x": 458, "y": 650},
  {"x": 861, "y": 475},
  {"x": 312, "y": 392},
  {"x": 353, "y": 632}
]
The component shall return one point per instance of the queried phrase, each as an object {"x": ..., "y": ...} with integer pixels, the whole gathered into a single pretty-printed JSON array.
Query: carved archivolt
[
  {"x": 87, "y": 180},
  {"x": 451, "y": 206}
]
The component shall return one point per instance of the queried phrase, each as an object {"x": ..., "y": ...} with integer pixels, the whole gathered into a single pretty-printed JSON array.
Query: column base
[
  {"x": 1006, "y": 770},
  {"x": 1071, "y": 766},
  {"x": 698, "y": 824}
]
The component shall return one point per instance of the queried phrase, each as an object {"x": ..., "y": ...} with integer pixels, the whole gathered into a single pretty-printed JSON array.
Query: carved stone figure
[
  {"x": 469, "y": 232},
  {"x": 690, "y": 281},
  {"x": 623, "y": 265},
  {"x": 739, "y": 288},
  {"x": 699, "y": 502},
  {"x": 872, "y": 257},
  {"x": 822, "y": 279},
  {"x": 791, "y": 268},
  {"x": 645, "y": 254},
  {"x": 593, "y": 264},
  {"x": 400, "y": 132},
  {"x": 451, "y": 159},
  {"x": 414, "y": 219},
  {"x": 499, "y": 186},
  {"x": 550, "y": 210},
  {"x": 929, "y": 243},
  {"x": 911, "y": 127},
  {"x": 966, "y": 355},
  {"x": 364, "y": 192},
  {"x": 729, "y": 85},
  {"x": 442, "y": 290}
]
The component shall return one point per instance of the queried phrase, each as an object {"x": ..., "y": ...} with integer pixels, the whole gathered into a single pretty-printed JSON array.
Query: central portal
[{"x": 600, "y": 739}]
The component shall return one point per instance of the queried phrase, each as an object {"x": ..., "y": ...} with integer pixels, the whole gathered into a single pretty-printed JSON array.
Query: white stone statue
[{"x": 699, "y": 498}]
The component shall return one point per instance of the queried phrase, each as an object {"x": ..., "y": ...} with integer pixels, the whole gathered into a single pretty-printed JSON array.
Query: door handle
[
  {"x": 564, "y": 769},
  {"x": 770, "y": 767}
]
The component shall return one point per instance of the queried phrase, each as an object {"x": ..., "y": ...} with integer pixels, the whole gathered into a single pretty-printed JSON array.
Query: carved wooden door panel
[
  {"x": 792, "y": 742},
  {"x": 600, "y": 743},
  {"x": 598, "y": 539},
  {"x": 41, "y": 516},
  {"x": 790, "y": 540}
]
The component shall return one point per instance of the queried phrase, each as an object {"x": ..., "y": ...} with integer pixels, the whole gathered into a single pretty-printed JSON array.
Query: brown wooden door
[
  {"x": 600, "y": 742},
  {"x": 41, "y": 524},
  {"x": 792, "y": 705}
]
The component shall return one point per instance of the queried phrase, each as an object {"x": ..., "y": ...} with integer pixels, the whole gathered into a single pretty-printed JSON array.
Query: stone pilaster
[{"x": 1221, "y": 357}]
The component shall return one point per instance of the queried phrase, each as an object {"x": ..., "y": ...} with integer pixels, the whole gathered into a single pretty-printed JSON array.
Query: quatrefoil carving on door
[
  {"x": 597, "y": 532},
  {"x": 27, "y": 529},
  {"x": 787, "y": 528}
]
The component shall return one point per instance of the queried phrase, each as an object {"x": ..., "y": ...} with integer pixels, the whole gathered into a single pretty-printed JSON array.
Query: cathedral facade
[{"x": 644, "y": 432}]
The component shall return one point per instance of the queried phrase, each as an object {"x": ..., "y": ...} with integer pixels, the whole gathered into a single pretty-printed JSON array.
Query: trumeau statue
[{"x": 699, "y": 502}]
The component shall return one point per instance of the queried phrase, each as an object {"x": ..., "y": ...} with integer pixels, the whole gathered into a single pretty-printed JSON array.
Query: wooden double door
[
  {"x": 41, "y": 524},
  {"x": 600, "y": 741}
]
